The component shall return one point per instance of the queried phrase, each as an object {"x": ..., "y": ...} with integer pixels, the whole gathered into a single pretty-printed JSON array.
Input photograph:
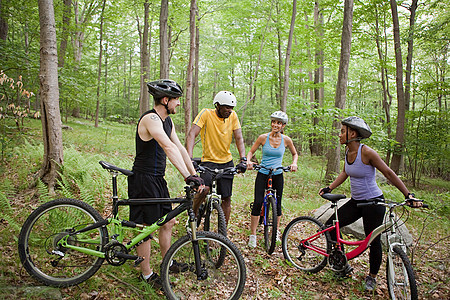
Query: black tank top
[{"x": 150, "y": 157}]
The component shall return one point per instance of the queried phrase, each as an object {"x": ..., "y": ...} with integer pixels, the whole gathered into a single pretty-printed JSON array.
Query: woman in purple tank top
[{"x": 361, "y": 163}]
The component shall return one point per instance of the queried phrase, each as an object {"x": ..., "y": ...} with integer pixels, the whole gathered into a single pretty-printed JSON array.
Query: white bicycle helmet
[
  {"x": 279, "y": 116},
  {"x": 225, "y": 98},
  {"x": 359, "y": 125}
]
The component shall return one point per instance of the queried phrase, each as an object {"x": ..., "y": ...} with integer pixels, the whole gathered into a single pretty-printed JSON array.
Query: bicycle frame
[
  {"x": 117, "y": 226},
  {"x": 361, "y": 245}
]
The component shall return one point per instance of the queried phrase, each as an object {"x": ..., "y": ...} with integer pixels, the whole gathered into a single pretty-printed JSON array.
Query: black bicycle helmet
[
  {"x": 359, "y": 125},
  {"x": 164, "y": 88}
]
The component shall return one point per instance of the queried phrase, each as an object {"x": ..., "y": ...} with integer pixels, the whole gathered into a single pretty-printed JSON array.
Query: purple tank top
[{"x": 362, "y": 178}]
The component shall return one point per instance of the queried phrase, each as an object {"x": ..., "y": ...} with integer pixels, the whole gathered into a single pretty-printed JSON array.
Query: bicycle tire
[
  {"x": 299, "y": 256},
  {"x": 47, "y": 225},
  {"x": 215, "y": 222},
  {"x": 400, "y": 276},
  {"x": 270, "y": 225},
  {"x": 226, "y": 282}
]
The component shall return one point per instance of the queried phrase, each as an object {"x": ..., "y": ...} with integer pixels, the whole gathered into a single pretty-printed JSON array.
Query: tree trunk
[
  {"x": 144, "y": 104},
  {"x": 315, "y": 145},
  {"x": 341, "y": 87},
  {"x": 3, "y": 23},
  {"x": 400, "y": 131},
  {"x": 67, "y": 14},
  {"x": 49, "y": 95},
  {"x": 384, "y": 82},
  {"x": 99, "y": 75},
  {"x": 409, "y": 57},
  {"x": 288, "y": 58},
  {"x": 196, "y": 70},
  {"x": 190, "y": 68},
  {"x": 164, "y": 40},
  {"x": 250, "y": 96}
]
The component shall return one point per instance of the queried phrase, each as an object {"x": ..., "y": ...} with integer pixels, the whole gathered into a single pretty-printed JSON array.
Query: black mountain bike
[{"x": 65, "y": 241}]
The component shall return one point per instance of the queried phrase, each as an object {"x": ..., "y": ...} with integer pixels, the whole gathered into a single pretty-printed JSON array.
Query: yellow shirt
[{"x": 216, "y": 134}]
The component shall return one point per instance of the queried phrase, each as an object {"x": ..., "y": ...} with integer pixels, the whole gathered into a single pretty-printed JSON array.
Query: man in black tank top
[{"x": 156, "y": 139}]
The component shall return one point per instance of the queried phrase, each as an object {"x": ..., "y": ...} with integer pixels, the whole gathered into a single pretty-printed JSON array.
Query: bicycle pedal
[{"x": 138, "y": 261}]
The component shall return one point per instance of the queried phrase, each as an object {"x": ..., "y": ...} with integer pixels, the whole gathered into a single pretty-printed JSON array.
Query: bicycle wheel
[
  {"x": 297, "y": 252},
  {"x": 400, "y": 275},
  {"x": 271, "y": 225},
  {"x": 215, "y": 222},
  {"x": 50, "y": 262},
  {"x": 226, "y": 282}
]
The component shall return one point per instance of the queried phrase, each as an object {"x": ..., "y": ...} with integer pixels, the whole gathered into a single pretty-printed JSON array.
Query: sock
[{"x": 147, "y": 276}]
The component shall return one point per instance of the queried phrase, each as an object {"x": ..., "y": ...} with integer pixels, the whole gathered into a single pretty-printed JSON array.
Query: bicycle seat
[
  {"x": 112, "y": 167},
  {"x": 333, "y": 197}
]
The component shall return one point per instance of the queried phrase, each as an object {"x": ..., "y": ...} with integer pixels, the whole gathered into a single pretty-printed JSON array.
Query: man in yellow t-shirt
[{"x": 216, "y": 128}]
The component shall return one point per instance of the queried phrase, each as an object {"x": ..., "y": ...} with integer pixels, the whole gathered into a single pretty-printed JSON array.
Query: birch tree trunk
[
  {"x": 288, "y": 58},
  {"x": 190, "y": 68},
  {"x": 341, "y": 88},
  {"x": 164, "y": 40},
  {"x": 49, "y": 96}
]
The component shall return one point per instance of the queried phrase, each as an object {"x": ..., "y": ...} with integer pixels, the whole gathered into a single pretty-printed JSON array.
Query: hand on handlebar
[
  {"x": 250, "y": 165},
  {"x": 196, "y": 181},
  {"x": 293, "y": 167}
]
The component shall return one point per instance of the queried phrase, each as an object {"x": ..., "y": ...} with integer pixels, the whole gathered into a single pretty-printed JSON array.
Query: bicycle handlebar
[
  {"x": 285, "y": 169},
  {"x": 374, "y": 201},
  {"x": 228, "y": 170}
]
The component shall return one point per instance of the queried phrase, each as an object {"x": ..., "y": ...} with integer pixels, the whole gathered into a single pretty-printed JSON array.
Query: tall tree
[
  {"x": 288, "y": 58},
  {"x": 3, "y": 23},
  {"x": 67, "y": 13},
  {"x": 100, "y": 55},
  {"x": 409, "y": 56},
  {"x": 164, "y": 40},
  {"x": 49, "y": 95},
  {"x": 401, "y": 108},
  {"x": 315, "y": 145},
  {"x": 333, "y": 154},
  {"x": 190, "y": 68},
  {"x": 144, "y": 62}
]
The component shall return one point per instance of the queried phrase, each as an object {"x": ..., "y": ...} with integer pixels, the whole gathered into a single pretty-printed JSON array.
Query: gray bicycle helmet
[
  {"x": 164, "y": 88},
  {"x": 279, "y": 116},
  {"x": 225, "y": 98},
  {"x": 359, "y": 125}
]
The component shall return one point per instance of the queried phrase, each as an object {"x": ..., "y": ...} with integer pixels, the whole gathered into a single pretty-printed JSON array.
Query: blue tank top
[
  {"x": 362, "y": 178},
  {"x": 272, "y": 157}
]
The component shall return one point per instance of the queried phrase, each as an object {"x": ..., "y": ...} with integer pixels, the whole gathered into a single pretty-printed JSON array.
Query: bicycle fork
[{"x": 201, "y": 273}]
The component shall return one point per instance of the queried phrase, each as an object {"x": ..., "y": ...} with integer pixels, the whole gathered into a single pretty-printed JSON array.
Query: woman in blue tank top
[
  {"x": 273, "y": 145},
  {"x": 360, "y": 165}
]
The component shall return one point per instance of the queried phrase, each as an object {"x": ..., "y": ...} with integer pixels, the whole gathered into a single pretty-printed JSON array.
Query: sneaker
[
  {"x": 346, "y": 272},
  {"x": 177, "y": 267},
  {"x": 154, "y": 280},
  {"x": 370, "y": 283},
  {"x": 278, "y": 236},
  {"x": 252, "y": 241}
]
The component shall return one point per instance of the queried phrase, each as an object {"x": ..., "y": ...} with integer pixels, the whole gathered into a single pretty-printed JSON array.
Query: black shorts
[
  {"x": 142, "y": 185},
  {"x": 225, "y": 183}
]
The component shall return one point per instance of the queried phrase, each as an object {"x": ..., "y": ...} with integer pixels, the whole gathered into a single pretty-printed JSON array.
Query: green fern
[{"x": 7, "y": 212}]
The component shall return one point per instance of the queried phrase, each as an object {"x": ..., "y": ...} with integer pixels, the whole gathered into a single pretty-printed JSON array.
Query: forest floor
[{"x": 268, "y": 276}]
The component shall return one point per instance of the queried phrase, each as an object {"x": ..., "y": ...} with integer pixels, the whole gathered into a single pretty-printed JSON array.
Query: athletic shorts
[
  {"x": 141, "y": 185},
  {"x": 225, "y": 183}
]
